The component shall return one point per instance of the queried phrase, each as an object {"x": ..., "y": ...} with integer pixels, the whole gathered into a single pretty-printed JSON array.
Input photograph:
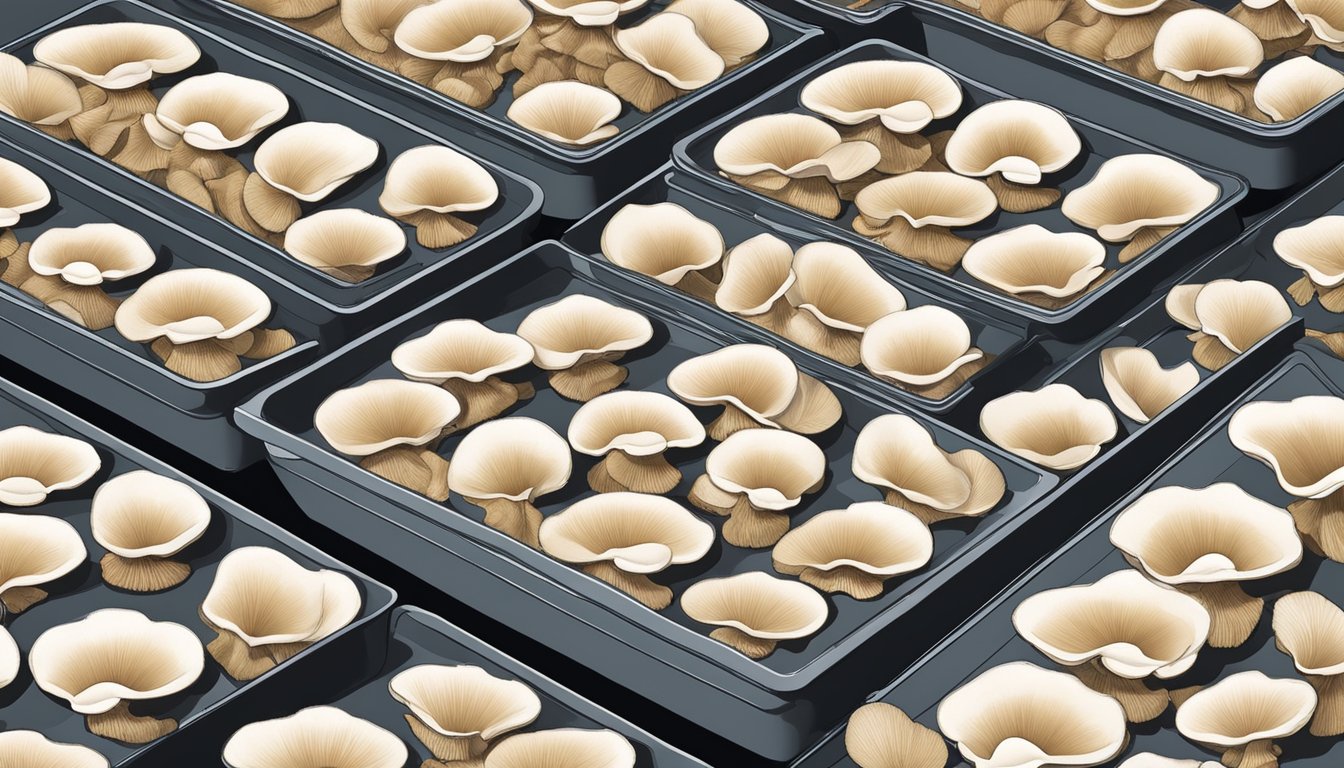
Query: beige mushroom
[
  {"x": 1294, "y": 87},
  {"x": 143, "y": 519},
  {"x": 879, "y": 735},
  {"x": 304, "y": 162},
  {"x": 467, "y": 359},
  {"x": 624, "y": 538},
  {"x": 1045, "y": 268},
  {"x": 503, "y": 466},
  {"x": 1310, "y": 629},
  {"x": 428, "y": 186},
  {"x": 754, "y": 478},
  {"x": 667, "y": 57},
  {"x": 346, "y": 243},
  {"x": 218, "y": 111},
  {"x": 34, "y": 464},
  {"x": 856, "y": 549},
  {"x": 588, "y": 13},
  {"x": 1325, "y": 19},
  {"x": 21, "y": 191},
  {"x": 631, "y": 432},
  {"x": 905, "y": 96},
  {"x": 1138, "y": 385},
  {"x": 117, "y": 55},
  {"x": 36, "y": 94},
  {"x": 666, "y": 242},
  {"x": 1012, "y": 144},
  {"x": 563, "y": 747},
  {"x": 68, "y": 265},
  {"x": 34, "y": 550},
  {"x": 457, "y": 711},
  {"x": 1243, "y": 714},
  {"x": 913, "y": 214},
  {"x": 1054, "y": 426},
  {"x": 30, "y": 749},
  {"x": 1315, "y": 249},
  {"x": 838, "y": 295},
  {"x": 1227, "y": 317},
  {"x": 568, "y": 112},
  {"x": 10, "y": 662},
  {"x": 926, "y": 350},
  {"x": 755, "y": 611},
  {"x": 461, "y": 32},
  {"x": 1150, "y": 760},
  {"x": 373, "y": 24},
  {"x": 732, "y": 29},
  {"x": 757, "y": 275},
  {"x": 578, "y": 340},
  {"x": 1200, "y": 51},
  {"x": 324, "y": 736}
]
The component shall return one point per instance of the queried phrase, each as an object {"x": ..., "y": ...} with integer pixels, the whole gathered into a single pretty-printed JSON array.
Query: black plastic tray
[
  {"x": 1080, "y": 319},
  {"x": 215, "y": 698},
  {"x": 575, "y": 179},
  {"x": 847, "y": 25},
  {"x": 988, "y": 638},
  {"x": 351, "y": 308},
  {"x": 774, "y": 707}
]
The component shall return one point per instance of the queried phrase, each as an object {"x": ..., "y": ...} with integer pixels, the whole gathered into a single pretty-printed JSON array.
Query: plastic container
[
  {"x": 215, "y": 700},
  {"x": 1093, "y": 312},
  {"x": 350, "y": 309},
  {"x": 774, "y": 707},
  {"x": 1014, "y": 349},
  {"x": 845, "y": 24},
  {"x": 988, "y": 638},
  {"x": 575, "y": 179}
]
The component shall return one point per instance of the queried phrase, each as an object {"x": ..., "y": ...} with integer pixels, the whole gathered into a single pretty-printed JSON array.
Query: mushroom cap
[
  {"x": 798, "y": 146},
  {"x": 1202, "y": 42},
  {"x": 374, "y": 23},
  {"x": 588, "y": 13},
  {"x": 879, "y": 735},
  {"x": 636, "y": 532},
  {"x": 732, "y": 29},
  {"x": 757, "y": 604},
  {"x": 310, "y": 160},
  {"x": 464, "y": 700},
  {"x": 34, "y": 463},
  {"x": 438, "y": 179},
  {"x": 633, "y": 422},
  {"x": 1310, "y": 628},
  {"x": 266, "y": 598},
  {"x": 1293, "y": 87},
  {"x": 90, "y": 254},
  {"x": 756, "y": 273},
  {"x": 1019, "y": 139},
  {"x": 143, "y": 514},
  {"x": 904, "y": 95},
  {"x": 579, "y": 327},
  {"x": 21, "y": 191},
  {"x": 1021, "y": 716},
  {"x": 36, "y": 549},
  {"x": 919, "y": 346},
  {"x": 114, "y": 655},
  {"x": 1135, "y": 627},
  {"x": 378, "y": 414},
  {"x": 10, "y": 661},
  {"x": 663, "y": 241},
  {"x": 1054, "y": 426},
  {"x": 563, "y": 747},
  {"x": 1316, "y": 248},
  {"x": 344, "y": 237},
  {"x": 187, "y": 305},
  {"x": 838, "y": 287},
  {"x": 568, "y": 112},
  {"x": 668, "y": 45},
  {"x": 1246, "y": 707},
  {"x": 774, "y": 469},
  {"x": 36, "y": 94},
  {"x": 1130, "y": 192},
  {"x": 928, "y": 197},
  {"x": 461, "y": 349},
  {"x": 1032, "y": 259},
  {"x": 117, "y": 55},
  {"x": 1127, "y": 7},
  {"x": 894, "y": 451},
  {"x": 1324, "y": 17},
  {"x": 220, "y": 110},
  {"x": 760, "y": 381},
  {"x": 30, "y": 749},
  {"x": 1240, "y": 313},
  {"x": 870, "y": 536},
  {"x": 1150, "y": 760},
  {"x": 1139, "y": 386},
  {"x": 515, "y": 458},
  {"x": 324, "y": 736},
  {"x": 1302, "y": 440},
  {"x": 1203, "y": 536},
  {"x": 462, "y": 31}
]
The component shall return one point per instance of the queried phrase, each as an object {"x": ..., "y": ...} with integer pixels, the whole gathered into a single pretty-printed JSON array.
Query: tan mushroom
[
  {"x": 10, "y": 662},
  {"x": 1012, "y": 144},
  {"x": 879, "y": 735},
  {"x": 427, "y": 187},
  {"x": 30, "y": 749},
  {"x": 666, "y": 57},
  {"x": 564, "y": 747},
  {"x": 68, "y": 265},
  {"x": 754, "y": 611},
  {"x": 143, "y": 519},
  {"x": 568, "y": 112},
  {"x": 757, "y": 275},
  {"x": 304, "y": 162},
  {"x": 1138, "y": 385},
  {"x": 36, "y": 94},
  {"x": 1315, "y": 249},
  {"x": 468, "y": 359},
  {"x": 913, "y": 214},
  {"x": 1310, "y": 629},
  {"x": 926, "y": 350},
  {"x": 1227, "y": 317},
  {"x": 1243, "y": 714},
  {"x": 856, "y": 549},
  {"x": 34, "y": 464},
  {"x": 624, "y": 538},
  {"x": 732, "y": 29},
  {"x": 1150, "y": 760},
  {"x": 461, "y": 32},
  {"x": 117, "y": 55},
  {"x": 346, "y": 243},
  {"x": 1045, "y": 268},
  {"x": 21, "y": 191},
  {"x": 218, "y": 111},
  {"x": 373, "y": 24},
  {"x": 905, "y": 96},
  {"x": 34, "y": 550},
  {"x": 588, "y": 13},
  {"x": 631, "y": 432},
  {"x": 666, "y": 242},
  {"x": 1054, "y": 426},
  {"x": 578, "y": 340},
  {"x": 324, "y": 736},
  {"x": 1201, "y": 51},
  {"x": 458, "y": 711},
  {"x": 838, "y": 295},
  {"x": 504, "y": 466},
  {"x": 1325, "y": 19},
  {"x": 755, "y": 478},
  {"x": 1294, "y": 87}
]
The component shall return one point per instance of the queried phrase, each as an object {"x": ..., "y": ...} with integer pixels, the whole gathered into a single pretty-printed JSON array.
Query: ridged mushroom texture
[
  {"x": 1227, "y": 317},
  {"x": 460, "y": 33},
  {"x": 504, "y": 466},
  {"x": 373, "y": 24},
  {"x": 21, "y": 191},
  {"x": 588, "y": 13},
  {"x": 563, "y": 748},
  {"x": 458, "y": 712},
  {"x": 755, "y": 478},
  {"x": 30, "y": 749},
  {"x": 568, "y": 112},
  {"x": 302, "y": 163},
  {"x": 855, "y": 550},
  {"x": 667, "y": 58},
  {"x": 838, "y": 295},
  {"x": 1294, "y": 87},
  {"x": 34, "y": 550},
  {"x": 1310, "y": 628},
  {"x": 668, "y": 243},
  {"x": 879, "y": 735},
  {"x": 1315, "y": 248},
  {"x": 733, "y": 30},
  {"x": 1044, "y": 268},
  {"x": 755, "y": 611},
  {"x": 38, "y": 95},
  {"x": 1138, "y": 385},
  {"x": 757, "y": 276},
  {"x": 577, "y": 341},
  {"x": 631, "y": 432},
  {"x": 1013, "y": 144},
  {"x": 469, "y": 360},
  {"x": 1202, "y": 53},
  {"x": 926, "y": 350},
  {"x": 144, "y": 520},
  {"x": 67, "y": 268},
  {"x": 912, "y": 215},
  {"x": 1054, "y": 426},
  {"x": 117, "y": 55},
  {"x": 345, "y": 243},
  {"x": 430, "y": 188},
  {"x": 34, "y": 464},
  {"x": 215, "y": 112},
  {"x": 1242, "y": 715},
  {"x": 325, "y": 736}
]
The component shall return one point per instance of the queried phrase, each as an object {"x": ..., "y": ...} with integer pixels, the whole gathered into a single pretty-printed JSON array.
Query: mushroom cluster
[
  {"x": 1315, "y": 248},
  {"x": 1226, "y": 317}
]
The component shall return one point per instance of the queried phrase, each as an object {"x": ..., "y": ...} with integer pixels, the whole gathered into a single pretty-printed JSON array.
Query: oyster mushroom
[
  {"x": 426, "y": 187},
  {"x": 1202, "y": 51},
  {"x": 1054, "y": 426},
  {"x": 1325, "y": 20},
  {"x": 838, "y": 295},
  {"x": 755, "y": 611},
  {"x": 1227, "y": 317},
  {"x": 754, "y": 478},
  {"x": 854, "y": 550},
  {"x": 117, "y": 55},
  {"x": 879, "y": 735},
  {"x": 588, "y": 13},
  {"x": 21, "y": 191},
  {"x": 926, "y": 350},
  {"x": 467, "y": 359},
  {"x": 10, "y": 661},
  {"x": 904, "y": 96},
  {"x": 758, "y": 386},
  {"x": 1205, "y": 542},
  {"x": 111, "y": 658},
  {"x": 216, "y": 111},
  {"x": 1315, "y": 249},
  {"x": 1116, "y": 632},
  {"x": 757, "y": 275},
  {"x": 568, "y": 112},
  {"x": 394, "y": 427},
  {"x": 732, "y": 29},
  {"x": 324, "y": 736},
  {"x": 34, "y": 550},
  {"x": 667, "y": 243},
  {"x": 898, "y": 455},
  {"x": 304, "y": 162},
  {"x": 346, "y": 243},
  {"x": 577, "y": 341},
  {"x": 34, "y": 464},
  {"x": 143, "y": 520},
  {"x": 68, "y": 266},
  {"x": 1243, "y": 714},
  {"x": 457, "y": 711},
  {"x": 504, "y": 466},
  {"x": 1019, "y": 715},
  {"x": 1045, "y": 268},
  {"x": 1138, "y": 385},
  {"x": 1150, "y": 760},
  {"x": 373, "y": 24},
  {"x": 461, "y": 32},
  {"x": 624, "y": 538},
  {"x": 1293, "y": 87},
  {"x": 631, "y": 431},
  {"x": 265, "y": 609},
  {"x": 1012, "y": 144},
  {"x": 30, "y": 749},
  {"x": 38, "y": 95},
  {"x": 666, "y": 59},
  {"x": 912, "y": 215},
  {"x": 563, "y": 748},
  {"x": 1310, "y": 629},
  {"x": 1138, "y": 200}
]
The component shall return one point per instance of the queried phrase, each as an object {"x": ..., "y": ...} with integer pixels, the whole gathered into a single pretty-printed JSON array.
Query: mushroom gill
[
  {"x": 373, "y": 24},
  {"x": 838, "y": 295},
  {"x": 667, "y": 58},
  {"x": 755, "y": 611},
  {"x": 666, "y": 242},
  {"x": 117, "y": 55},
  {"x": 68, "y": 265},
  {"x": 427, "y": 187},
  {"x": 1200, "y": 53},
  {"x": 631, "y": 432},
  {"x": 1243, "y": 714},
  {"x": 1012, "y": 144},
  {"x": 304, "y": 162},
  {"x": 754, "y": 478},
  {"x": 732, "y": 29},
  {"x": 1315, "y": 248},
  {"x": 34, "y": 464},
  {"x": 1048, "y": 269},
  {"x": 879, "y": 735},
  {"x": 37, "y": 95},
  {"x": 904, "y": 96},
  {"x": 856, "y": 549},
  {"x": 143, "y": 519},
  {"x": 1054, "y": 426},
  {"x": 34, "y": 550},
  {"x": 503, "y": 466},
  {"x": 563, "y": 747},
  {"x": 926, "y": 350},
  {"x": 468, "y": 359},
  {"x": 912, "y": 215},
  {"x": 316, "y": 736},
  {"x": 1293, "y": 87},
  {"x": 757, "y": 273},
  {"x": 1325, "y": 19},
  {"x": 30, "y": 749},
  {"x": 457, "y": 711},
  {"x": 577, "y": 341},
  {"x": 1310, "y": 629},
  {"x": 1138, "y": 385},
  {"x": 567, "y": 112},
  {"x": 1227, "y": 317},
  {"x": 346, "y": 243}
]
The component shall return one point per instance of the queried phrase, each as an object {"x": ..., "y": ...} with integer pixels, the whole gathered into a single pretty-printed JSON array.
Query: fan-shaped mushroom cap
[
  {"x": 588, "y": 13},
  {"x": 773, "y": 469},
  {"x": 1032, "y": 259},
  {"x": 755, "y": 606},
  {"x": 34, "y": 550},
  {"x": 854, "y": 549},
  {"x": 143, "y": 514},
  {"x": 1131, "y": 192},
  {"x": 905, "y": 95},
  {"x": 1315, "y": 248},
  {"x": 1127, "y": 7},
  {"x": 30, "y": 749},
  {"x": 289, "y": 9},
  {"x": 1293, "y": 87},
  {"x": 580, "y": 327},
  {"x": 568, "y": 111},
  {"x": 663, "y": 241},
  {"x": 879, "y": 735},
  {"x": 21, "y": 191},
  {"x": 117, "y": 55},
  {"x": 1202, "y": 42},
  {"x": 36, "y": 94},
  {"x": 1246, "y": 707},
  {"x": 918, "y": 347},
  {"x": 1139, "y": 386},
  {"x": 1150, "y": 760},
  {"x": 1231, "y": 315},
  {"x": 115, "y": 655},
  {"x": 460, "y": 701},
  {"x": 756, "y": 274},
  {"x": 461, "y": 349},
  {"x": 438, "y": 179},
  {"x": 1054, "y": 426},
  {"x": 1018, "y": 715},
  {"x": 462, "y": 31},
  {"x": 90, "y": 253},
  {"x": 1299, "y": 439},
  {"x": 1324, "y": 17},
  {"x": 324, "y": 736},
  {"x": 760, "y": 381},
  {"x": 343, "y": 238},
  {"x": 374, "y": 23},
  {"x": 188, "y": 305},
  {"x": 798, "y": 146},
  {"x": 637, "y": 532},
  {"x": 265, "y": 598},
  {"x": 220, "y": 110},
  {"x": 516, "y": 458},
  {"x": 928, "y": 197},
  {"x": 1310, "y": 628},
  {"x": 668, "y": 45},
  {"x": 840, "y": 288},
  {"x": 732, "y": 29},
  {"x": 378, "y": 414},
  {"x": 34, "y": 463},
  {"x": 9, "y": 669},
  {"x": 310, "y": 160},
  {"x": 1019, "y": 139},
  {"x": 635, "y": 423},
  {"x": 563, "y": 747}
]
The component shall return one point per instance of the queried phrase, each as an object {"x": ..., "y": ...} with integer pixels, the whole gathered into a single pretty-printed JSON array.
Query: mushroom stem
[
  {"x": 120, "y": 725},
  {"x": 206, "y": 360},
  {"x": 1257, "y": 754},
  {"x": 856, "y": 583},
  {"x": 241, "y": 661},
  {"x": 934, "y": 246},
  {"x": 636, "y": 585},
  {"x": 732, "y": 420},
  {"x": 1021, "y": 198},
  {"x": 1334, "y": 342},
  {"x": 926, "y": 514},
  {"x": 1233, "y": 614},
  {"x": 588, "y": 379},
  {"x": 619, "y": 471},
  {"x": 517, "y": 519},
  {"x": 901, "y": 152},
  {"x": 815, "y": 194},
  {"x": 1302, "y": 290},
  {"x": 1145, "y": 238},
  {"x": 839, "y": 344},
  {"x": 751, "y": 647},
  {"x": 1328, "y": 719},
  {"x": 20, "y": 599},
  {"x": 776, "y": 318},
  {"x": 16, "y": 267},
  {"x": 267, "y": 343},
  {"x": 753, "y": 528},
  {"x": 415, "y": 467},
  {"x": 1321, "y": 523},
  {"x": 696, "y": 284},
  {"x": 274, "y": 209},
  {"x": 9, "y": 243},
  {"x": 86, "y": 305},
  {"x": 143, "y": 574},
  {"x": 458, "y": 751},
  {"x": 1210, "y": 351},
  {"x": 437, "y": 231},
  {"x": 1140, "y": 702},
  {"x": 482, "y": 400}
]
